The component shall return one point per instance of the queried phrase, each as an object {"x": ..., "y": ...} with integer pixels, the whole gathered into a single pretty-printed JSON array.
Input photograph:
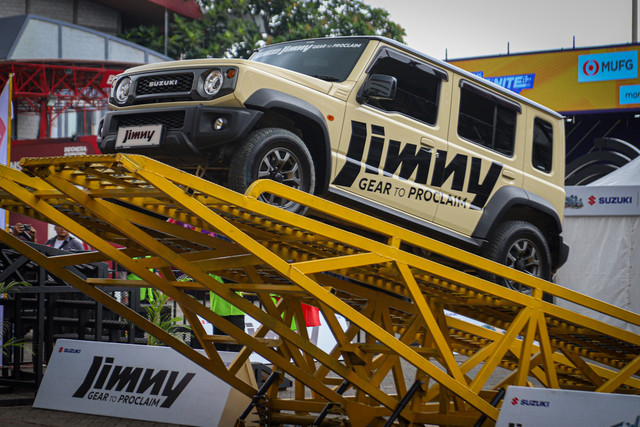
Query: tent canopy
[
  {"x": 603, "y": 232},
  {"x": 628, "y": 174}
]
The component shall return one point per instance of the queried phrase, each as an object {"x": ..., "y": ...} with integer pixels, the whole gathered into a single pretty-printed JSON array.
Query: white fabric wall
[{"x": 604, "y": 263}]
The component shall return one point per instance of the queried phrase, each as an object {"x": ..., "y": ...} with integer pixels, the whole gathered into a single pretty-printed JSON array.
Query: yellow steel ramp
[{"x": 425, "y": 335}]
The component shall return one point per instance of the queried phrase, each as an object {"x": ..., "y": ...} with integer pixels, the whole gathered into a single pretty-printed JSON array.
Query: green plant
[
  {"x": 6, "y": 326},
  {"x": 159, "y": 314}
]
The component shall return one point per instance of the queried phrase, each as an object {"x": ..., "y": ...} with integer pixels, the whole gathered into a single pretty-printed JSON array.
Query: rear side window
[
  {"x": 418, "y": 86},
  {"x": 542, "y": 154},
  {"x": 487, "y": 119}
]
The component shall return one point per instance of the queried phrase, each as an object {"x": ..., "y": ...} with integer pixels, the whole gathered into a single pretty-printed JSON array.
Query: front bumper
[{"x": 187, "y": 132}]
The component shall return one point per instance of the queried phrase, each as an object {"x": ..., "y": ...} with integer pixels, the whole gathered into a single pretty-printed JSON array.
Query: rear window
[
  {"x": 542, "y": 154},
  {"x": 487, "y": 119}
]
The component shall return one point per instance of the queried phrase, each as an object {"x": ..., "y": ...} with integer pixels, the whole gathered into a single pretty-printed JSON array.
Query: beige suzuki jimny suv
[{"x": 366, "y": 121}]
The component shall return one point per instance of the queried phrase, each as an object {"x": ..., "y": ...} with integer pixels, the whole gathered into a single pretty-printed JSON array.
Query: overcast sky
[{"x": 467, "y": 28}]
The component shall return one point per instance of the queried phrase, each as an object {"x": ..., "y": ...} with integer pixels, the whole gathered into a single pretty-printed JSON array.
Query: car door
[
  {"x": 485, "y": 153},
  {"x": 388, "y": 146}
]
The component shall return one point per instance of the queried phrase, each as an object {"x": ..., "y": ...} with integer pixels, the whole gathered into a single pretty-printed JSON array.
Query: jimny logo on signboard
[
  {"x": 139, "y": 382},
  {"x": 599, "y": 67},
  {"x": 109, "y": 382}
]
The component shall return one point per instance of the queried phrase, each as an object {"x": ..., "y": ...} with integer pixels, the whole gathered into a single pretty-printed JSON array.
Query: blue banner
[
  {"x": 515, "y": 83},
  {"x": 630, "y": 94},
  {"x": 608, "y": 66}
]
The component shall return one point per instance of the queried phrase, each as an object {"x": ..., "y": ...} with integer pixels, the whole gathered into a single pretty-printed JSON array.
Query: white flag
[
  {"x": 6, "y": 114},
  {"x": 5, "y": 128}
]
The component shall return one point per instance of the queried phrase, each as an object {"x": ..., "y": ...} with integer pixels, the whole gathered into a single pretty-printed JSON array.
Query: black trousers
[{"x": 238, "y": 321}]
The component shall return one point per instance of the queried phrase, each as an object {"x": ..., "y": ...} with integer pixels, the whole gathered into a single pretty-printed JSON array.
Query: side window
[
  {"x": 542, "y": 154},
  {"x": 418, "y": 86},
  {"x": 487, "y": 119}
]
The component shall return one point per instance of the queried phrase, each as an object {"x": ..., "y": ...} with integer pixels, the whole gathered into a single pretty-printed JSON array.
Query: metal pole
[
  {"x": 260, "y": 395},
  {"x": 404, "y": 402},
  {"x": 166, "y": 32},
  {"x": 343, "y": 387},
  {"x": 494, "y": 402},
  {"x": 634, "y": 21}
]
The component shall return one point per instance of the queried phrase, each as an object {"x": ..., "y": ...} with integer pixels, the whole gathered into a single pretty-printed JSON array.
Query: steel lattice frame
[
  {"x": 50, "y": 89},
  {"x": 347, "y": 264}
]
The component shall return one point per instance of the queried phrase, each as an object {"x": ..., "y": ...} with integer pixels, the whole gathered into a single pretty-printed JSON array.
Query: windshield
[{"x": 327, "y": 59}]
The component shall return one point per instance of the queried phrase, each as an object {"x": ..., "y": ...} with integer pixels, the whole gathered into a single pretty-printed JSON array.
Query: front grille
[
  {"x": 171, "y": 83},
  {"x": 170, "y": 119}
]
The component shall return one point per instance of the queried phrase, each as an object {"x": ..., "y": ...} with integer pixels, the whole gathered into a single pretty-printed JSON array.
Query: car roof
[{"x": 441, "y": 63}]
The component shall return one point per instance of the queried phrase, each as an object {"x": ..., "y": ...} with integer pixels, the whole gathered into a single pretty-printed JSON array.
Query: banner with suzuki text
[
  {"x": 581, "y": 200},
  {"x": 532, "y": 406}
]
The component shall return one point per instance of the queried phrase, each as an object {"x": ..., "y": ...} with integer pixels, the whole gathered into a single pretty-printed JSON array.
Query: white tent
[{"x": 602, "y": 228}]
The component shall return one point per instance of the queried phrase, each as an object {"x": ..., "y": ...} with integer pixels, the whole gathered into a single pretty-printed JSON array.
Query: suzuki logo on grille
[
  {"x": 159, "y": 83},
  {"x": 592, "y": 200}
]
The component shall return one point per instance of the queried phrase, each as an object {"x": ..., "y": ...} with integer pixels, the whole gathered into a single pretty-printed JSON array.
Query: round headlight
[
  {"x": 213, "y": 82},
  {"x": 122, "y": 90}
]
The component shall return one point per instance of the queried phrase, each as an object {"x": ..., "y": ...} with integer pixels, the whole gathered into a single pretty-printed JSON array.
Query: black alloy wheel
[
  {"x": 276, "y": 154},
  {"x": 521, "y": 246}
]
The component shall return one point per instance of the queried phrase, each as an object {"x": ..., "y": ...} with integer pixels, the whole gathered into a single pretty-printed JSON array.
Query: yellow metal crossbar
[{"x": 429, "y": 320}]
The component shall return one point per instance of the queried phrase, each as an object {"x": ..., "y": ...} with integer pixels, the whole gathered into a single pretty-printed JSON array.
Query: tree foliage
[
  {"x": 234, "y": 28},
  {"x": 159, "y": 313}
]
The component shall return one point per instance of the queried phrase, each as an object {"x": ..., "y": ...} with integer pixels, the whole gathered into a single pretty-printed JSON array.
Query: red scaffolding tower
[{"x": 51, "y": 88}]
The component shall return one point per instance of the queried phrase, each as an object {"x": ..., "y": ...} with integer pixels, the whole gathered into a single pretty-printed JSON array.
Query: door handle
[
  {"x": 508, "y": 174},
  {"x": 429, "y": 145}
]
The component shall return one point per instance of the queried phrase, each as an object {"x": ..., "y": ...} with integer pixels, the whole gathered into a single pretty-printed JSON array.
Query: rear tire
[
  {"x": 276, "y": 154},
  {"x": 520, "y": 245}
]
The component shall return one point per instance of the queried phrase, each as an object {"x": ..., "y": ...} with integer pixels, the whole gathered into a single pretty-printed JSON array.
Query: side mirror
[{"x": 378, "y": 86}]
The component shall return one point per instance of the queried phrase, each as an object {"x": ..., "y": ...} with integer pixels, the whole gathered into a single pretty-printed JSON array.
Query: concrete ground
[{"x": 16, "y": 410}]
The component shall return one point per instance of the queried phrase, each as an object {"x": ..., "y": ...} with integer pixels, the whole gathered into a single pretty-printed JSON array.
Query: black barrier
[{"x": 49, "y": 309}]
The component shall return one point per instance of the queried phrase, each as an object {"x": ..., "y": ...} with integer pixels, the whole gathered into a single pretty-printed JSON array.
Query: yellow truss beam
[{"x": 410, "y": 319}]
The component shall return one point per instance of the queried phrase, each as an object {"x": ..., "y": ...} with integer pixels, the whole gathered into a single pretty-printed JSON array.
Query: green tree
[{"x": 234, "y": 28}]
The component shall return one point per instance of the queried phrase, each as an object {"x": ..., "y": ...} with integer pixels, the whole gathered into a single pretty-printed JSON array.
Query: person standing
[
  {"x": 230, "y": 313},
  {"x": 24, "y": 232},
  {"x": 64, "y": 240}
]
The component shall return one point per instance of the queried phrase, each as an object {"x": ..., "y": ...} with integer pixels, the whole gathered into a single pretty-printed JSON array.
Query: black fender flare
[
  {"x": 506, "y": 198},
  {"x": 271, "y": 99}
]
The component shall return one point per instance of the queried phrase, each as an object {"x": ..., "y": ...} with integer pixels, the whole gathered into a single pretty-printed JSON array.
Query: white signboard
[
  {"x": 602, "y": 201},
  {"x": 531, "y": 407},
  {"x": 141, "y": 382}
]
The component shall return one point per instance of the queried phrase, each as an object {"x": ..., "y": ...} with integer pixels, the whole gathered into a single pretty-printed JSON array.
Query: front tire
[
  {"x": 277, "y": 154},
  {"x": 520, "y": 245}
]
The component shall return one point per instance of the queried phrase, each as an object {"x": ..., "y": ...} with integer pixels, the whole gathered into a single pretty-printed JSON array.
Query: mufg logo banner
[{"x": 608, "y": 66}]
